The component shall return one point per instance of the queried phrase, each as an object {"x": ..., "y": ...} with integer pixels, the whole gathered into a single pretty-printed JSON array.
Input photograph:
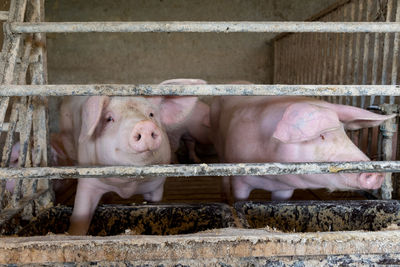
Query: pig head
[
  {"x": 101, "y": 130},
  {"x": 290, "y": 129}
]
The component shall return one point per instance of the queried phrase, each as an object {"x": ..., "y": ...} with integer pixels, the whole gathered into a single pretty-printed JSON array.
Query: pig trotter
[
  {"x": 242, "y": 189},
  {"x": 155, "y": 195},
  {"x": 281, "y": 195}
]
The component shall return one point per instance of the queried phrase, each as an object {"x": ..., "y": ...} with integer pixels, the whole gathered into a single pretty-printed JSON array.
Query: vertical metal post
[
  {"x": 388, "y": 128},
  {"x": 11, "y": 47}
]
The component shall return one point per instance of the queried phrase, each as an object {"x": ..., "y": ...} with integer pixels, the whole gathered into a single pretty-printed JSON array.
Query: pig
[
  {"x": 257, "y": 129},
  {"x": 196, "y": 128},
  {"x": 101, "y": 130},
  {"x": 58, "y": 158}
]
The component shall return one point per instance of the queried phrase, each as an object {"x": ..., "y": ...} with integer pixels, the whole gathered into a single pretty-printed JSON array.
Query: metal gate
[{"x": 242, "y": 235}]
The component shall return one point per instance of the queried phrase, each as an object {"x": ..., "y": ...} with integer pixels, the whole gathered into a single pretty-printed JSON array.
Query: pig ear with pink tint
[
  {"x": 303, "y": 122},
  {"x": 355, "y": 118},
  {"x": 91, "y": 114},
  {"x": 175, "y": 110}
]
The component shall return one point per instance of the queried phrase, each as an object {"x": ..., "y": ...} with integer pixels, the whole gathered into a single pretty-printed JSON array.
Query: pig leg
[
  {"x": 190, "y": 144},
  {"x": 241, "y": 189},
  {"x": 87, "y": 197},
  {"x": 155, "y": 195},
  {"x": 281, "y": 195}
]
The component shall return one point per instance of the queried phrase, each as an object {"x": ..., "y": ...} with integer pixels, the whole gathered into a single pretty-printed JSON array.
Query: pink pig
[
  {"x": 58, "y": 158},
  {"x": 101, "y": 130},
  {"x": 195, "y": 129},
  {"x": 260, "y": 129}
]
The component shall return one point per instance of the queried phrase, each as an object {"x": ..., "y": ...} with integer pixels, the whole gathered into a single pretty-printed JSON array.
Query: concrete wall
[{"x": 153, "y": 57}]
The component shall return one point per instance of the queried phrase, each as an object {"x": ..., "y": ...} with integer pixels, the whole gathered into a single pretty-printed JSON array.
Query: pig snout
[
  {"x": 146, "y": 136},
  {"x": 371, "y": 180}
]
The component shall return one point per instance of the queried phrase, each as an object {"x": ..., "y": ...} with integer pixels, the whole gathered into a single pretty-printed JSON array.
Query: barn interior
[{"x": 192, "y": 205}]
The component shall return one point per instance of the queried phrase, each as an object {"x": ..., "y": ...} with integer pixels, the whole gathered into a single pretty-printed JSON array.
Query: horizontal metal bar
[
  {"x": 180, "y": 170},
  {"x": 203, "y": 26},
  {"x": 4, "y": 15},
  {"x": 6, "y": 126},
  {"x": 208, "y": 89}
]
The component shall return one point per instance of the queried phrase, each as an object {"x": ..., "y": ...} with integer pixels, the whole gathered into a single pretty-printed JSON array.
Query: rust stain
[{"x": 335, "y": 169}]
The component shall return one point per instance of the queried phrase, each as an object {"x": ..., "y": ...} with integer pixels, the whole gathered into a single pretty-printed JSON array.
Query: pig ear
[
  {"x": 206, "y": 121},
  {"x": 303, "y": 122},
  {"x": 91, "y": 114},
  {"x": 355, "y": 118},
  {"x": 174, "y": 110}
]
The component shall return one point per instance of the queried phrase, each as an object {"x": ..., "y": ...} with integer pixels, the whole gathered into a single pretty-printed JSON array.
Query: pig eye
[
  {"x": 151, "y": 114},
  {"x": 109, "y": 119}
]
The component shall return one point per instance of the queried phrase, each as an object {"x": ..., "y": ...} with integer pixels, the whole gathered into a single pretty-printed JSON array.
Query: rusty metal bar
[
  {"x": 203, "y": 26},
  {"x": 209, "y": 89},
  {"x": 180, "y": 170}
]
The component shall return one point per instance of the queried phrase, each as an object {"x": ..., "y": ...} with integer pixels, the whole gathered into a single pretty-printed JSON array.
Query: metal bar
[
  {"x": 375, "y": 60},
  {"x": 388, "y": 128},
  {"x": 203, "y": 26},
  {"x": 386, "y": 47},
  {"x": 366, "y": 47},
  {"x": 8, "y": 147},
  {"x": 337, "y": 53},
  {"x": 357, "y": 53},
  {"x": 374, "y": 81},
  {"x": 343, "y": 53},
  {"x": 209, "y": 89},
  {"x": 396, "y": 49},
  {"x": 180, "y": 170},
  {"x": 365, "y": 10},
  {"x": 310, "y": 66},
  {"x": 4, "y": 15},
  {"x": 9, "y": 58}
]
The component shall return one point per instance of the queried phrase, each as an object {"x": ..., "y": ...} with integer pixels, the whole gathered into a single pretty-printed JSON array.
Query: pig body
[
  {"x": 102, "y": 130},
  {"x": 289, "y": 129},
  {"x": 195, "y": 129}
]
